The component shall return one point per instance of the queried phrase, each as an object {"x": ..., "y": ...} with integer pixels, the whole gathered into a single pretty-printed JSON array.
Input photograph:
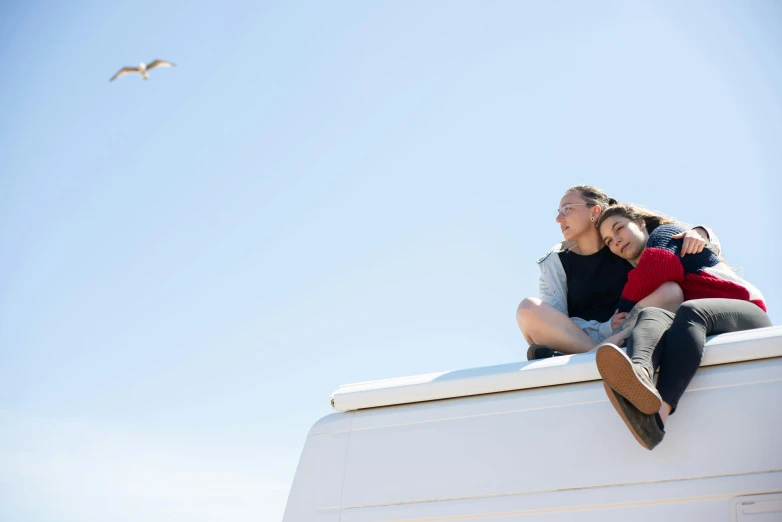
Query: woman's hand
[
  {"x": 623, "y": 331},
  {"x": 617, "y": 319},
  {"x": 693, "y": 243}
]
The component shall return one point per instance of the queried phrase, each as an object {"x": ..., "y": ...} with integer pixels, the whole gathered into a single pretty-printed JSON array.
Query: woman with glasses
[
  {"x": 716, "y": 299},
  {"x": 581, "y": 281}
]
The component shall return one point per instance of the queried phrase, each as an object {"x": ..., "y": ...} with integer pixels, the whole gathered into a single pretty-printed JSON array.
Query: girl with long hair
[
  {"x": 716, "y": 300},
  {"x": 581, "y": 281}
]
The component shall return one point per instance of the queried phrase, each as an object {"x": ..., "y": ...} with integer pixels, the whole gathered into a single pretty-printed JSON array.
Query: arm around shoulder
[{"x": 711, "y": 237}]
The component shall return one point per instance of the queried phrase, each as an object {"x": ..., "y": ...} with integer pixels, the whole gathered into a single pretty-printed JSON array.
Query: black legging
[{"x": 674, "y": 342}]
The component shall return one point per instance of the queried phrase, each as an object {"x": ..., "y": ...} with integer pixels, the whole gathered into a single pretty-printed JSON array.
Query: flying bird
[{"x": 142, "y": 68}]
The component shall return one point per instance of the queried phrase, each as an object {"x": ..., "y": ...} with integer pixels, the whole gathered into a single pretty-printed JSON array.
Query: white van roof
[{"x": 748, "y": 345}]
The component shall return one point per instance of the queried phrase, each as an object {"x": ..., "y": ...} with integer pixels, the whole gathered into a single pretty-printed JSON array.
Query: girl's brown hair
[{"x": 635, "y": 214}]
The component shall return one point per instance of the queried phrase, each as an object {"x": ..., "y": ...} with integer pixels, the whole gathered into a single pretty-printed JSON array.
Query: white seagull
[{"x": 142, "y": 68}]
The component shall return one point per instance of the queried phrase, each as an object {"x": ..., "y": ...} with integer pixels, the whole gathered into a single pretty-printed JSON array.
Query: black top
[{"x": 594, "y": 283}]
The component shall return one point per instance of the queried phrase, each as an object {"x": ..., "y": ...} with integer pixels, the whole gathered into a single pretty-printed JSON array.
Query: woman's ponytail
[{"x": 593, "y": 196}]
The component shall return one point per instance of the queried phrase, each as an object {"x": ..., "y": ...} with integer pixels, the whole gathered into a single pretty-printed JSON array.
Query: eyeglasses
[{"x": 564, "y": 209}]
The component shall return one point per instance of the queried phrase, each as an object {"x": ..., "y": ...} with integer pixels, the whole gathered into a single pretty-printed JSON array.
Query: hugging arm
[
  {"x": 711, "y": 237},
  {"x": 696, "y": 239},
  {"x": 655, "y": 267}
]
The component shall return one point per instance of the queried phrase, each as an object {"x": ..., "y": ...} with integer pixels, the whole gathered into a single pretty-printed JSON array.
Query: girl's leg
[
  {"x": 541, "y": 323},
  {"x": 631, "y": 375},
  {"x": 694, "y": 321},
  {"x": 647, "y": 341},
  {"x": 628, "y": 385}
]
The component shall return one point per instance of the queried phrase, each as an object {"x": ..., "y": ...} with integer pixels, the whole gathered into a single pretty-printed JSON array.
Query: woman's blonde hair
[{"x": 592, "y": 196}]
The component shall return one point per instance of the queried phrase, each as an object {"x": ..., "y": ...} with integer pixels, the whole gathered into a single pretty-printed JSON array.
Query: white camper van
[{"x": 538, "y": 440}]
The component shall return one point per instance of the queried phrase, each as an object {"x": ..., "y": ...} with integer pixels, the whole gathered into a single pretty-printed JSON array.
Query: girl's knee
[
  {"x": 669, "y": 296},
  {"x": 672, "y": 292},
  {"x": 528, "y": 307},
  {"x": 689, "y": 312}
]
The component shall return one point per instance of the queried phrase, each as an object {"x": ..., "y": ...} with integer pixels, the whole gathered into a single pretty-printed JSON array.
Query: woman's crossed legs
[{"x": 541, "y": 323}]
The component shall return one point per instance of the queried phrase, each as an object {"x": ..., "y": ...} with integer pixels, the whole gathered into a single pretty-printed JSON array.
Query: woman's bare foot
[{"x": 665, "y": 410}]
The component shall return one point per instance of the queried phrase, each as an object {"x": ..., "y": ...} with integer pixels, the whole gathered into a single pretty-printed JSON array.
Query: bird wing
[
  {"x": 160, "y": 63},
  {"x": 123, "y": 71}
]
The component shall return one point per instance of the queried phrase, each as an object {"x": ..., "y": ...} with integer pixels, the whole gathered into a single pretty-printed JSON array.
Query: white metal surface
[
  {"x": 722, "y": 349},
  {"x": 556, "y": 453}
]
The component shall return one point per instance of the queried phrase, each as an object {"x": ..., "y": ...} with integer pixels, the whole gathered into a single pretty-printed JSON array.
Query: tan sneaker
[{"x": 627, "y": 379}]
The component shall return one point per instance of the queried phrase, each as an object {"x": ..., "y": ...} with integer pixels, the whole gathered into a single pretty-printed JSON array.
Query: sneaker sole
[
  {"x": 617, "y": 372},
  {"x": 615, "y": 403}
]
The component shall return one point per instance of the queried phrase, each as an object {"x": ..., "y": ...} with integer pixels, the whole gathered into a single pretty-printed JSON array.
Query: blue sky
[{"x": 323, "y": 193}]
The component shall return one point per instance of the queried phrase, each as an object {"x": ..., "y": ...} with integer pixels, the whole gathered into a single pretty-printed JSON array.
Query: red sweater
[{"x": 700, "y": 276}]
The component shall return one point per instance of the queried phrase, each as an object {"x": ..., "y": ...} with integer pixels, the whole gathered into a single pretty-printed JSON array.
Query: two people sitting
[{"x": 627, "y": 276}]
